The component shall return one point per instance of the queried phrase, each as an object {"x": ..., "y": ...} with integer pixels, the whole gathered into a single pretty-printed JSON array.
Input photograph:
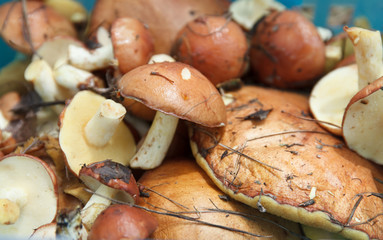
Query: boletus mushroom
[
  {"x": 272, "y": 153},
  {"x": 176, "y": 91},
  {"x": 28, "y": 195}
]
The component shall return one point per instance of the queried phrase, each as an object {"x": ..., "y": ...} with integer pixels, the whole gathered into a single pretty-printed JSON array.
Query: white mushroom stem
[
  {"x": 71, "y": 77},
  {"x": 11, "y": 202},
  {"x": 99, "y": 201},
  {"x": 103, "y": 124},
  {"x": 95, "y": 59},
  {"x": 368, "y": 54},
  {"x": 156, "y": 143},
  {"x": 41, "y": 75}
]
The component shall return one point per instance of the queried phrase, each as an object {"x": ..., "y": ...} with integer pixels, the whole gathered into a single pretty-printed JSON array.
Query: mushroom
[
  {"x": 332, "y": 93},
  {"x": 28, "y": 195},
  {"x": 109, "y": 180},
  {"x": 91, "y": 130},
  {"x": 163, "y": 17},
  {"x": 132, "y": 43},
  {"x": 189, "y": 189},
  {"x": 175, "y": 90},
  {"x": 215, "y": 45},
  {"x": 286, "y": 162},
  {"x": 276, "y": 57},
  {"x": 43, "y": 23},
  {"x": 123, "y": 222}
]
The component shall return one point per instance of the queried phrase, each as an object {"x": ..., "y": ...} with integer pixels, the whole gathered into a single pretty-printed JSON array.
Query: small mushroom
[
  {"x": 175, "y": 90},
  {"x": 282, "y": 45},
  {"x": 133, "y": 44},
  {"x": 43, "y": 23},
  {"x": 215, "y": 45},
  {"x": 91, "y": 130},
  {"x": 28, "y": 195},
  {"x": 109, "y": 180},
  {"x": 123, "y": 222}
]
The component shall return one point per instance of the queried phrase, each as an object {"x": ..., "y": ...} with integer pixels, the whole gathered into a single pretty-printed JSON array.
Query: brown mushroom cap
[
  {"x": 122, "y": 222},
  {"x": 163, "y": 17},
  {"x": 132, "y": 43},
  {"x": 287, "y": 51},
  {"x": 215, "y": 45},
  {"x": 307, "y": 158},
  {"x": 113, "y": 175},
  {"x": 185, "y": 183},
  {"x": 44, "y": 23},
  {"x": 176, "y": 89}
]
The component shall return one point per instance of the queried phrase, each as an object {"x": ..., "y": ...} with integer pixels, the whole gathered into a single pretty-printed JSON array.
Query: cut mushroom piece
[
  {"x": 92, "y": 130},
  {"x": 175, "y": 90},
  {"x": 110, "y": 180},
  {"x": 95, "y": 59},
  {"x": 28, "y": 186},
  {"x": 330, "y": 96},
  {"x": 362, "y": 122}
]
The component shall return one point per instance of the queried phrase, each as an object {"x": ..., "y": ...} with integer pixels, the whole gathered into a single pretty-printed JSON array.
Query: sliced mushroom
[
  {"x": 28, "y": 195},
  {"x": 175, "y": 90}
]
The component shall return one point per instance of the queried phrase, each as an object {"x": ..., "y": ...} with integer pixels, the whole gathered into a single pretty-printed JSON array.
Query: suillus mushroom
[
  {"x": 28, "y": 195},
  {"x": 92, "y": 130},
  {"x": 176, "y": 91},
  {"x": 182, "y": 186},
  {"x": 133, "y": 44},
  {"x": 42, "y": 23},
  {"x": 276, "y": 57},
  {"x": 332, "y": 93},
  {"x": 215, "y": 45},
  {"x": 123, "y": 222},
  {"x": 109, "y": 180},
  {"x": 273, "y": 154}
]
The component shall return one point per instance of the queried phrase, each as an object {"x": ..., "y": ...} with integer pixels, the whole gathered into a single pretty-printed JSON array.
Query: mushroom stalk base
[
  {"x": 96, "y": 204},
  {"x": 103, "y": 124},
  {"x": 157, "y": 142}
]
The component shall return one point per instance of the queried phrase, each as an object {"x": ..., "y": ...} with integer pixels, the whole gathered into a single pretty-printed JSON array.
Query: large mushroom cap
[
  {"x": 78, "y": 151},
  {"x": 31, "y": 184},
  {"x": 183, "y": 182},
  {"x": 319, "y": 178},
  {"x": 176, "y": 89}
]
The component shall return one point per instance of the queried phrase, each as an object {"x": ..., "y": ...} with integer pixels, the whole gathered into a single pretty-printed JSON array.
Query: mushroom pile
[{"x": 193, "y": 119}]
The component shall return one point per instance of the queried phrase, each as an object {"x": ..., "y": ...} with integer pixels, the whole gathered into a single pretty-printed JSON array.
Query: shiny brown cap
[{"x": 176, "y": 89}]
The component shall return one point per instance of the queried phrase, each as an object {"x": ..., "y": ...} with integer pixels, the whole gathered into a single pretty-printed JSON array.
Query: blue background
[{"x": 370, "y": 8}]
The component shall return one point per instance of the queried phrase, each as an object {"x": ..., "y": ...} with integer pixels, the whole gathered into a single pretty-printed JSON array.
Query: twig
[
  {"x": 26, "y": 30},
  {"x": 288, "y": 132},
  {"x": 312, "y": 119},
  {"x": 353, "y": 210},
  {"x": 248, "y": 157},
  {"x": 167, "y": 198},
  {"x": 20, "y": 109},
  {"x": 181, "y": 217}
]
